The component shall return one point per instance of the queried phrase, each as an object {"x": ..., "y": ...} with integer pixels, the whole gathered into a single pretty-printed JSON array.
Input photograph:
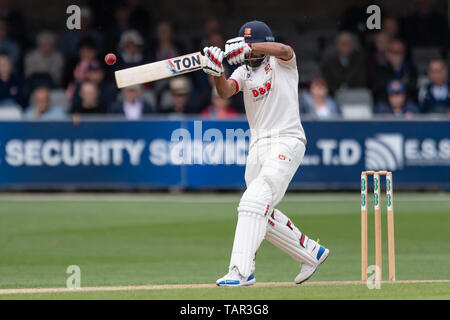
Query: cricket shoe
[
  {"x": 307, "y": 270},
  {"x": 234, "y": 279}
]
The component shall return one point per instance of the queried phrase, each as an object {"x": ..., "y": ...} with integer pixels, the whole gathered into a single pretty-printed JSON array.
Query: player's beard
[{"x": 254, "y": 62}]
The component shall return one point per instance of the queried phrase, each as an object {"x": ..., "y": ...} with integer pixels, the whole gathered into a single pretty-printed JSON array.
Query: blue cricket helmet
[{"x": 256, "y": 31}]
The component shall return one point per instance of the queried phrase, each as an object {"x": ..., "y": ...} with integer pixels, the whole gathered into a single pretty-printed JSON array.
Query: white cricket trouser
[
  {"x": 277, "y": 160},
  {"x": 271, "y": 164}
]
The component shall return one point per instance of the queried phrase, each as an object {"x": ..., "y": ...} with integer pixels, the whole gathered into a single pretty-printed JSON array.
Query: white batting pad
[
  {"x": 250, "y": 231},
  {"x": 253, "y": 209},
  {"x": 282, "y": 233}
]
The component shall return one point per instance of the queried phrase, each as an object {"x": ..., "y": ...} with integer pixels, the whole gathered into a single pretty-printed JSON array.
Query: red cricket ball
[{"x": 110, "y": 59}]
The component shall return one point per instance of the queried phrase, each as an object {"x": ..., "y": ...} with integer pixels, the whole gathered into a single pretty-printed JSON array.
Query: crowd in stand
[
  {"x": 63, "y": 74},
  {"x": 387, "y": 64}
]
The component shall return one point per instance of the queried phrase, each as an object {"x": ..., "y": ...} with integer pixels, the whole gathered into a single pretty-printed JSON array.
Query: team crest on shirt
[{"x": 267, "y": 68}]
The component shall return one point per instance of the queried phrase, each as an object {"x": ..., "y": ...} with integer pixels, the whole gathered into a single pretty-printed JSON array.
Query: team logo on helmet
[{"x": 247, "y": 32}]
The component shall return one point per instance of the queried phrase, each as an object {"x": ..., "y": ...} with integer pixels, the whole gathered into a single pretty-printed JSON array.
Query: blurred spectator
[
  {"x": 42, "y": 108},
  {"x": 202, "y": 83},
  {"x": 200, "y": 90},
  {"x": 76, "y": 69},
  {"x": 435, "y": 97},
  {"x": 89, "y": 102},
  {"x": 165, "y": 47},
  {"x": 396, "y": 68},
  {"x": 96, "y": 74},
  {"x": 426, "y": 26},
  {"x": 71, "y": 39},
  {"x": 217, "y": 40},
  {"x": 131, "y": 50},
  {"x": 120, "y": 25},
  {"x": 377, "y": 58},
  {"x": 14, "y": 20},
  {"x": 132, "y": 105},
  {"x": 317, "y": 103},
  {"x": 212, "y": 27},
  {"x": 8, "y": 45},
  {"x": 180, "y": 89},
  {"x": 390, "y": 27},
  {"x": 220, "y": 108},
  {"x": 45, "y": 59},
  {"x": 397, "y": 101},
  {"x": 354, "y": 20},
  {"x": 10, "y": 84},
  {"x": 139, "y": 17},
  {"x": 36, "y": 80},
  {"x": 345, "y": 68}
]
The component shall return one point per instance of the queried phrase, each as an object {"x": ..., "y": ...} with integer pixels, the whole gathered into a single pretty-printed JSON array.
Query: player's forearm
[
  {"x": 275, "y": 49},
  {"x": 225, "y": 89}
]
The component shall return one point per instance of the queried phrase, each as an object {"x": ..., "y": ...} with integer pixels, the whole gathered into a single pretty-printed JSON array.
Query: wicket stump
[{"x": 377, "y": 213}]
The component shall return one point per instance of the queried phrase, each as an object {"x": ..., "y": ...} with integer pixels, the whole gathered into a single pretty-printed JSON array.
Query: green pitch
[{"x": 120, "y": 240}]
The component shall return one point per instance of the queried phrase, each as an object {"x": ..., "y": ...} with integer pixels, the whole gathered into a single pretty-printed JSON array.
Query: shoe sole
[
  {"x": 326, "y": 257},
  {"x": 246, "y": 284}
]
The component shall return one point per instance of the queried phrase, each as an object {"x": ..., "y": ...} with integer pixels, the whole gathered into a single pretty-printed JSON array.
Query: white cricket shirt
[{"x": 271, "y": 98}]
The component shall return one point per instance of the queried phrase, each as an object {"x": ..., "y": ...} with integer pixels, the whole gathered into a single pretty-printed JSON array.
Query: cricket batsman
[{"x": 268, "y": 78}]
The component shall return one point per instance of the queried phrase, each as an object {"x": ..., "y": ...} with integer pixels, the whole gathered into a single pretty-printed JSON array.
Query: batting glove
[
  {"x": 236, "y": 49},
  {"x": 213, "y": 61}
]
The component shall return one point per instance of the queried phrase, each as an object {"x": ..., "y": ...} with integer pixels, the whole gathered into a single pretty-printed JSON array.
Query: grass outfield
[
  {"x": 387, "y": 291},
  {"x": 124, "y": 240}
]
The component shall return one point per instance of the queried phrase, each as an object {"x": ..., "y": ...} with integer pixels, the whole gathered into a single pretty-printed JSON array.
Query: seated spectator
[
  {"x": 346, "y": 67},
  {"x": 8, "y": 45},
  {"x": 317, "y": 103},
  {"x": 180, "y": 88},
  {"x": 96, "y": 74},
  {"x": 120, "y": 24},
  {"x": 211, "y": 28},
  {"x": 220, "y": 108},
  {"x": 397, "y": 101},
  {"x": 33, "y": 82},
  {"x": 426, "y": 27},
  {"x": 45, "y": 59},
  {"x": 89, "y": 102},
  {"x": 377, "y": 58},
  {"x": 10, "y": 85},
  {"x": 15, "y": 21},
  {"x": 70, "y": 40},
  {"x": 140, "y": 18},
  {"x": 131, "y": 50},
  {"x": 76, "y": 70},
  {"x": 42, "y": 108},
  {"x": 217, "y": 40},
  {"x": 435, "y": 97},
  {"x": 165, "y": 47},
  {"x": 132, "y": 106},
  {"x": 397, "y": 67},
  {"x": 354, "y": 20},
  {"x": 202, "y": 84},
  {"x": 390, "y": 27}
]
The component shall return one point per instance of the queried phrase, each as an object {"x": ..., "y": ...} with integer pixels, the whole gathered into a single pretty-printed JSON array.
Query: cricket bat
[{"x": 159, "y": 70}]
